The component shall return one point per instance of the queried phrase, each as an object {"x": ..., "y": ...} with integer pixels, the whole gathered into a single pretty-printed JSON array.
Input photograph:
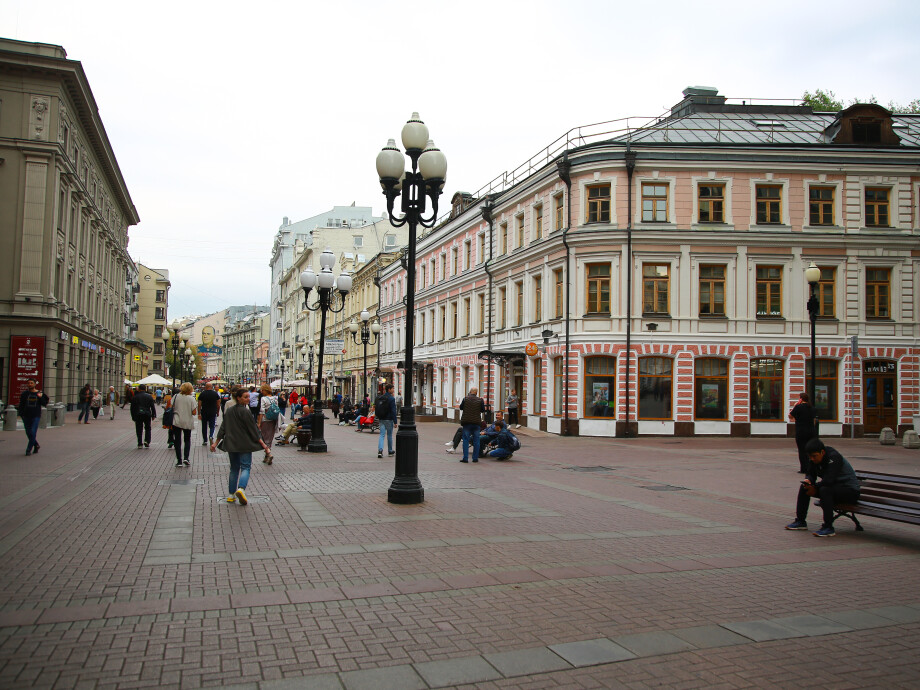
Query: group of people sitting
[{"x": 496, "y": 439}]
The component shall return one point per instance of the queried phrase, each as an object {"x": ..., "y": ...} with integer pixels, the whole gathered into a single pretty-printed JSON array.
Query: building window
[
  {"x": 598, "y": 204},
  {"x": 558, "y": 217},
  {"x": 519, "y": 235},
  {"x": 654, "y": 203},
  {"x": 467, "y": 315},
  {"x": 537, "y": 404},
  {"x": 712, "y": 290},
  {"x": 161, "y": 296},
  {"x": 158, "y": 365},
  {"x": 558, "y": 293},
  {"x": 877, "y": 207},
  {"x": 502, "y": 306},
  {"x": 519, "y": 300},
  {"x": 421, "y": 327},
  {"x": 878, "y": 291},
  {"x": 824, "y": 291},
  {"x": 390, "y": 241},
  {"x": 825, "y": 402},
  {"x": 598, "y": 288},
  {"x": 767, "y": 389},
  {"x": 557, "y": 386},
  {"x": 442, "y": 317},
  {"x": 422, "y": 276},
  {"x": 710, "y": 386},
  {"x": 503, "y": 239},
  {"x": 158, "y": 348},
  {"x": 600, "y": 386},
  {"x": 655, "y": 283},
  {"x": 358, "y": 241},
  {"x": 711, "y": 203},
  {"x": 769, "y": 291},
  {"x": 157, "y": 331},
  {"x": 481, "y": 248},
  {"x": 482, "y": 313},
  {"x": 654, "y": 388},
  {"x": 443, "y": 267},
  {"x": 538, "y": 299},
  {"x": 467, "y": 251},
  {"x": 538, "y": 222},
  {"x": 453, "y": 262},
  {"x": 769, "y": 204},
  {"x": 820, "y": 205},
  {"x": 159, "y": 313}
]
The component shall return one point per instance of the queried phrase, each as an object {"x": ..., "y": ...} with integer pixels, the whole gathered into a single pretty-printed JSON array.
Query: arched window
[
  {"x": 600, "y": 386},
  {"x": 710, "y": 386},
  {"x": 767, "y": 389},
  {"x": 655, "y": 387}
]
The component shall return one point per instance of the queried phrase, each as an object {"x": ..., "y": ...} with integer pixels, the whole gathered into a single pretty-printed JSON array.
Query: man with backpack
[
  {"x": 385, "y": 412},
  {"x": 504, "y": 444}
]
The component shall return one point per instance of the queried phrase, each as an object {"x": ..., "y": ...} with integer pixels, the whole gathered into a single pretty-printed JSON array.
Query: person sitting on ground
[
  {"x": 838, "y": 484},
  {"x": 502, "y": 445}
]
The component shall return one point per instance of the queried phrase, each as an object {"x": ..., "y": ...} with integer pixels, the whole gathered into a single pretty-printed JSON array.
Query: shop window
[
  {"x": 655, "y": 388},
  {"x": 825, "y": 402},
  {"x": 767, "y": 389},
  {"x": 710, "y": 386},
  {"x": 600, "y": 386},
  {"x": 537, "y": 403}
]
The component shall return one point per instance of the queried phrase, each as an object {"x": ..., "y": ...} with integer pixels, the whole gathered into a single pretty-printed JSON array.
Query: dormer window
[
  {"x": 867, "y": 131},
  {"x": 864, "y": 124}
]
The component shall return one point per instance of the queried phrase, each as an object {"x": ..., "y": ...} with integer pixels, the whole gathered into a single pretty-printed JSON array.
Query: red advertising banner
[{"x": 27, "y": 361}]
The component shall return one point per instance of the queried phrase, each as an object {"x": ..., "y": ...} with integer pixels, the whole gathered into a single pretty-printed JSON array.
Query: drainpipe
[
  {"x": 564, "y": 168},
  {"x": 630, "y": 167},
  {"x": 486, "y": 211}
]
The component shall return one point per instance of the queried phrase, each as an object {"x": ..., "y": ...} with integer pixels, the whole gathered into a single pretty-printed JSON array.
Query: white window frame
[
  {"x": 784, "y": 223},
  {"x": 838, "y": 205},
  {"x": 583, "y": 193},
  {"x": 671, "y": 183},
  {"x": 729, "y": 222}
]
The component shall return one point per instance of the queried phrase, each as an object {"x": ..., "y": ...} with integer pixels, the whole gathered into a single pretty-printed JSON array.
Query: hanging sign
[
  {"x": 27, "y": 361},
  {"x": 334, "y": 346},
  {"x": 531, "y": 349}
]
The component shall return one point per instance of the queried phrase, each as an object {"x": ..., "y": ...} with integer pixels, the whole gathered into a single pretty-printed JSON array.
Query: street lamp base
[
  {"x": 317, "y": 441},
  {"x": 406, "y": 488}
]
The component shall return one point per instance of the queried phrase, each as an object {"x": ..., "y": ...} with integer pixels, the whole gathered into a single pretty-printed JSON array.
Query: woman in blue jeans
[{"x": 241, "y": 438}]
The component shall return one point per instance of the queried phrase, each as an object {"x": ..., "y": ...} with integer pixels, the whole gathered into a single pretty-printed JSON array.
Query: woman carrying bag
[
  {"x": 185, "y": 409},
  {"x": 269, "y": 411},
  {"x": 239, "y": 437}
]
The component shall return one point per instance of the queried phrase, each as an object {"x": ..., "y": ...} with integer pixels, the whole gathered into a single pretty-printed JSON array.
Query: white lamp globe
[
  {"x": 327, "y": 258},
  {"x": 353, "y": 326},
  {"x": 391, "y": 163},
  {"x": 432, "y": 163},
  {"x": 365, "y": 315},
  {"x": 325, "y": 279},
  {"x": 308, "y": 278},
  {"x": 414, "y": 133},
  {"x": 375, "y": 327},
  {"x": 812, "y": 273},
  {"x": 344, "y": 282}
]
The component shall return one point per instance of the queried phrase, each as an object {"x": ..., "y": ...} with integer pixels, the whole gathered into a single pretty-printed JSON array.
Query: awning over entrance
[{"x": 503, "y": 358}]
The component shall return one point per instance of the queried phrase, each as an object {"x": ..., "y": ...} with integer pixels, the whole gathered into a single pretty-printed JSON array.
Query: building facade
[
  {"x": 151, "y": 315},
  {"x": 241, "y": 340},
  {"x": 652, "y": 280},
  {"x": 65, "y": 211}
]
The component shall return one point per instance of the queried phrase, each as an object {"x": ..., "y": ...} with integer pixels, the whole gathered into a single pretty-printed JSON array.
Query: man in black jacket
[
  {"x": 143, "y": 411},
  {"x": 471, "y": 408},
  {"x": 31, "y": 402},
  {"x": 832, "y": 479},
  {"x": 385, "y": 413}
]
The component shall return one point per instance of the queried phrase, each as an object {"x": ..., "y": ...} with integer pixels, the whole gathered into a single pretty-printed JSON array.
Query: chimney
[{"x": 695, "y": 96}]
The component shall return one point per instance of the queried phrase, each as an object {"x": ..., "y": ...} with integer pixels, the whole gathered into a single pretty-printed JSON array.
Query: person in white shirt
[
  {"x": 267, "y": 427},
  {"x": 185, "y": 412}
]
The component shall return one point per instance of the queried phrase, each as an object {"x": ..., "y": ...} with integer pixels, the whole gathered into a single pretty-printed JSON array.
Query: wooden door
[{"x": 880, "y": 402}]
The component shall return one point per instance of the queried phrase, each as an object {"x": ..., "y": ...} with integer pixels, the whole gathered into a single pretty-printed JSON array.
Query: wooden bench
[{"x": 886, "y": 496}]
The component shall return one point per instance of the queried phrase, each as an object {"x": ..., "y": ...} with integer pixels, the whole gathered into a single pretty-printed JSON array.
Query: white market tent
[{"x": 155, "y": 379}]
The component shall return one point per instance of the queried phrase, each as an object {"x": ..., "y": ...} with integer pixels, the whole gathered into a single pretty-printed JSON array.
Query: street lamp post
[
  {"x": 281, "y": 385},
  {"x": 365, "y": 339},
  {"x": 188, "y": 362},
  {"x": 172, "y": 338},
  {"x": 812, "y": 276},
  {"x": 330, "y": 296},
  {"x": 424, "y": 181},
  {"x": 305, "y": 352}
]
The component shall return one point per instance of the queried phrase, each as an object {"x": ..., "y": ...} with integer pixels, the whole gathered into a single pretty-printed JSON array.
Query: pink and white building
[{"x": 651, "y": 279}]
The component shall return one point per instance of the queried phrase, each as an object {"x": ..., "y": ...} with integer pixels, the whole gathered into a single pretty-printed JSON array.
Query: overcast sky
[{"x": 227, "y": 116}]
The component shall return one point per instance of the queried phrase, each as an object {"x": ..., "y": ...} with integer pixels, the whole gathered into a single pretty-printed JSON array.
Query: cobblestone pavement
[{"x": 580, "y": 563}]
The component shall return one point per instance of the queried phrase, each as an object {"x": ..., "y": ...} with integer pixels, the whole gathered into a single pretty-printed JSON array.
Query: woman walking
[
  {"x": 85, "y": 400},
  {"x": 185, "y": 409},
  {"x": 96, "y": 403},
  {"x": 268, "y": 419},
  {"x": 239, "y": 437}
]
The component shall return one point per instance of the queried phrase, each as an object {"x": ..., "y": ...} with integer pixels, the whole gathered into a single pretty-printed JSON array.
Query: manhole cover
[
  {"x": 180, "y": 482},
  {"x": 591, "y": 468},
  {"x": 665, "y": 487}
]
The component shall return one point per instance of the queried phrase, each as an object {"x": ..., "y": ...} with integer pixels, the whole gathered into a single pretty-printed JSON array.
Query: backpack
[
  {"x": 272, "y": 411},
  {"x": 380, "y": 405},
  {"x": 515, "y": 442}
]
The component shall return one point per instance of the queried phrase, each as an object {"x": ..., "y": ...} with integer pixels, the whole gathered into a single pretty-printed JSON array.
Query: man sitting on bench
[{"x": 838, "y": 485}]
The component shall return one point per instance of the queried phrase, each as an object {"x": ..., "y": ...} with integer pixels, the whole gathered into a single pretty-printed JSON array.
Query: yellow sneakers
[
  {"x": 241, "y": 497},
  {"x": 231, "y": 499}
]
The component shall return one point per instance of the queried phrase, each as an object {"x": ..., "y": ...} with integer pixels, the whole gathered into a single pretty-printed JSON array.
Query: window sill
[
  {"x": 768, "y": 317},
  {"x": 879, "y": 319},
  {"x": 771, "y": 226},
  {"x": 651, "y": 225},
  {"x": 713, "y": 317},
  {"x": 655, "y": 315},
  {"x": 596, "y": 315},
  {"x": 824, "y": 228},
  {"x": 716, "y": 227}
]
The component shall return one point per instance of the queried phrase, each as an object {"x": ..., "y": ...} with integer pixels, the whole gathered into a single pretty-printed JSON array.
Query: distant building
[
  {"x": 151, "y": 316},
  {"x": 65, "y": 211}
]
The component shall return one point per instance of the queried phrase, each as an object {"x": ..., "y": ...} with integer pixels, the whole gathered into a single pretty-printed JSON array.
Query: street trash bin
[{"x": 9, "y": 419}]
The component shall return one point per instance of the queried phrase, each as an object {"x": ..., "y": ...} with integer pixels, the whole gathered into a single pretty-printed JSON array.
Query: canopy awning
[{"x": 503, "y": 357}]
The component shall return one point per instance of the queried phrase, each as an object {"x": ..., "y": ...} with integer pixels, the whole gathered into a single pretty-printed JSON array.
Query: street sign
[{"x": 334, "y": 346}]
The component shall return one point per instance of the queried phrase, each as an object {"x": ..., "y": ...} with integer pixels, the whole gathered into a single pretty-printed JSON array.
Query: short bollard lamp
[{"x": 414, "y": 188}]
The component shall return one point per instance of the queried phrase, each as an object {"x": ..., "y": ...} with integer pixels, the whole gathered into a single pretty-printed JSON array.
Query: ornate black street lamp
[
  {"x": 173, "y": 338},
  {"x": 365, "y": 338},
  {"x": 330, "y": 296},
  {"x": 424, "y": 181},
  {"x": 812, "y": 276}
]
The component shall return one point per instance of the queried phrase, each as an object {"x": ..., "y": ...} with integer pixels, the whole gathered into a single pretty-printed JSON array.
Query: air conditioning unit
[{"x": 278, "y": 325}]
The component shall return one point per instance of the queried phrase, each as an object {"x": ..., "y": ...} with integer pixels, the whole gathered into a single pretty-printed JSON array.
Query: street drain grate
[
  {"x": 180, "y": 482},
  {"x": 590, "y": 468},
  {"x": 665, "y": 487}
]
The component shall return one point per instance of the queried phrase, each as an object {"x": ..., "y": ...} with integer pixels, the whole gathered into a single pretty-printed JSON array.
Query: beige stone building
[
  {"x": 241, "y": 340},
  {"x": 65, "y": 211},
  {"x": 151, "y": 315}
]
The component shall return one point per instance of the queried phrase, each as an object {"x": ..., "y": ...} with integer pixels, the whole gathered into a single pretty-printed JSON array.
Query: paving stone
[
  {"x": 472, "y": 669},
  {"x": 762, "y": 631},
  {"x": 306, "y": 552},
  {"x": 900, "y": 614},
  {"x": 527, "y": 662},
  {"x": 72, "y": 613},
  {"x": 592, "y": 652},
  {"x": 137, "y": 608},
  {"x": 211, "y": 557},
  {"x": 402, "y": 677},
  {"x": 709, "y": 636},
  {"x": 306, "y": 596},
  {"x": 341, "y": 549},
  {"x": 858, "y": 620},
  {"x": 324, "y": 681},
  {"x": 653, "y": 643},
  {"x": 813, "y": 625}
]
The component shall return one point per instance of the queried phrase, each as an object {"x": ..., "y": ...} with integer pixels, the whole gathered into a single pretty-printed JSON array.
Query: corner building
[{"x": 651, "y": 279}]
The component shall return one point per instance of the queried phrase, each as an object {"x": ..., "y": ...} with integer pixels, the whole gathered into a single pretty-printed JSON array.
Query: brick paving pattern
[{"x": 581, "y": 563}]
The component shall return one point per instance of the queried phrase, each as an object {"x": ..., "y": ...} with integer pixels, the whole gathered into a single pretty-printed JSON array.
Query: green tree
[{"x": 822, "y": 100}]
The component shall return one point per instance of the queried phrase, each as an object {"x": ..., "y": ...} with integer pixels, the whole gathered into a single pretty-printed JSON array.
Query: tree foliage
[{"x": 824, "y": 101}]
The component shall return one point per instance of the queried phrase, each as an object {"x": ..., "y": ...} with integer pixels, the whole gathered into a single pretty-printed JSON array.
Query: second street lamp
[
  {"x": 330, "y": 296},
  {"x": 365, "y": 340},
  {"x": 413, "y": 187},
  {"x": 812, "y": 276}
]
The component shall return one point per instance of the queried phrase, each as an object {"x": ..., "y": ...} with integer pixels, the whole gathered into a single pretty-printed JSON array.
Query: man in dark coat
[
  {"x": 471, "y": 408},
  {"x": 143, "y": 411},
  {"x": 31, "y": 402},
  {"x": 832, "y": 479}
]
